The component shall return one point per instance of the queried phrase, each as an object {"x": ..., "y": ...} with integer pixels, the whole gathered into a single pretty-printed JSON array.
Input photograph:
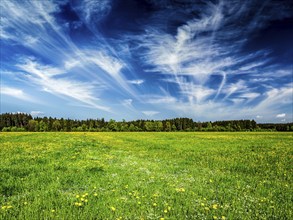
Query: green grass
[{"x": 146, "y": 176}]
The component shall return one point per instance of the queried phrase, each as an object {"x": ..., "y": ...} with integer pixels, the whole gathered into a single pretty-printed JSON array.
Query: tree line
[{"x": 25, "y": 122}]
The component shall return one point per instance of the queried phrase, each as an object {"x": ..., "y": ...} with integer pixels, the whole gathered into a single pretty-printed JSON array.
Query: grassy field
[{"x": 146, "y": 176}]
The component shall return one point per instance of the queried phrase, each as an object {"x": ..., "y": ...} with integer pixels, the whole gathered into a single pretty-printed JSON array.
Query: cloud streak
[
  {"x": 16, "y": 93},
  {"x": 44, "y": 76}
]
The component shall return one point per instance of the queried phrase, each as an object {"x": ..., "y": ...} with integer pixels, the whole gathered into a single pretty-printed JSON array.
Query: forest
[{"x": 25, "y": 122}]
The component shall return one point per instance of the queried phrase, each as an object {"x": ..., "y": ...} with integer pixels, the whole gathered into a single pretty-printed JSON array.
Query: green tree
[
  {"x": 132, "y": 127},
  {"x": 168, "y": 126},
  {"x": 83, "y": 127},
  {"x": 43, "y": 126},
  {"x": 32, "y": 125},
  {"x": 158, "y": 126},
  {"x": 174, "y": 128},
  {"x": 112, "y": 125},
  {"x": 56, "y": 126},
  {"x": 149, "y": 126}
]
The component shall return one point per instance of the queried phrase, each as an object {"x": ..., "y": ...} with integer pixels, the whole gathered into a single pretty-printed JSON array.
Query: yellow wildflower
[
  {"x": 113, "y": 208},
  {"x": 223, "y": 217},
  {"x": 215, "y": 206},
  {"x": 154, "y": 204},
  {"x": 180, "y": 189}
]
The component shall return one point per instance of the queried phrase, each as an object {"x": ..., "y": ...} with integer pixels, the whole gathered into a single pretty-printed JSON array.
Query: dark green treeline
[{"x": 25, "y": 122}]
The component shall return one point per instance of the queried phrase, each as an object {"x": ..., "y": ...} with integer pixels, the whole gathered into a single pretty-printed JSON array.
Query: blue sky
[{"x": 150, "y": 59}]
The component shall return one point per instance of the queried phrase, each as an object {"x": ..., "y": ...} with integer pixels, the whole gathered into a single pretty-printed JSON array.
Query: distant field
[{"x": 146, "y": 176}]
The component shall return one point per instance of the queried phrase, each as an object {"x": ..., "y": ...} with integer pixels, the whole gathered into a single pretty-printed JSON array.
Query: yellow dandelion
[
  {"x": 215, "y": 217},
  {"x": 82, "y": 199},
  {"x": 154, "y": 204},
  {"x": 169, "y": 208},
  {"x": 96, "y": 194},
  {"x": 25, "y": 203},
  {"x": 207, "y": 208},
  {"x": 53, "y": 210},
  {"x": 202, "y": 204},
  {"x": 138, "y": 203},
  {"x": 162, "y": 219},
  {"x": 180, "y": 189},
  {"x": 77, "y": 196},
  {"x": 215, "y": 206},
  {"x": 113, "y": 208},
  {"x": 85, "y": 200},
  {"x": 165, "y": 211},
  {"x": 223, "y": 217}
]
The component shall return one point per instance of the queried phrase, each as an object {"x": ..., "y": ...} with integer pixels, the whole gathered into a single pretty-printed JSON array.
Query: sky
[{"x": 148, "y": 59}]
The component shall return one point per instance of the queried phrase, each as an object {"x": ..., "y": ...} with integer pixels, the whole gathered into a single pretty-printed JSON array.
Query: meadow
[{"x": 146, "y": 175}]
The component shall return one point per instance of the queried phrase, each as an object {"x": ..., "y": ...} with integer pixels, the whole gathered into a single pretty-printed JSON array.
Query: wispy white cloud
[
  {"x": 43, "y": 76},
  {"x": 136, "y": 81},
  {"x": 92, "y": 11},
  {"x": 159, "y": 99},
  {"x": 16, "y": 93},
  {"x": 282, "y": 115},
  {"x": 37, "y": 113},
  {"x": 91, "y": 60},
  {"x": 150, "y": 113},
  {"x": 128, "y": 103}
]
